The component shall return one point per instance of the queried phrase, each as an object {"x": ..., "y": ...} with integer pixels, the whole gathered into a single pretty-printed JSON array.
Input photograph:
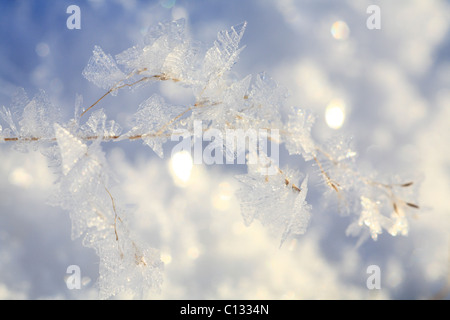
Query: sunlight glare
[
  {"x": 340, "y": 30},
  {"x": 181, "y": 167},
  {"x": 335, "y": 114}
]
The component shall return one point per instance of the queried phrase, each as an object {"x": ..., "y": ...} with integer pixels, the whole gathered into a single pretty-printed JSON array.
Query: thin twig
[
  {"x": 327, "y": 177},
  {"x": 115, "y": 221},
  {"x": 116, "y": 87}
]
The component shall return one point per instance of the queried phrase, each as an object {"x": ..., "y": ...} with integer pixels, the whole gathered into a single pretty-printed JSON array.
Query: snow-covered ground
[{"x": 392, "y": 85}]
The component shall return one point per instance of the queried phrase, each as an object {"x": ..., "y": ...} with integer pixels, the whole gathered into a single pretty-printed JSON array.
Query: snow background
[{"x": 395, "y": 84}]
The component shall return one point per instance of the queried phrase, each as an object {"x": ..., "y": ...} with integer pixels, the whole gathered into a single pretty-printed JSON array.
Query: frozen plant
[{"x": 277, "y": 198}]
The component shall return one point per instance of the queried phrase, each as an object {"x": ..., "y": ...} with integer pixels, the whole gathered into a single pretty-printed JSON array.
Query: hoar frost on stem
[
  {"x": 277, "y": 200},
  {"x": 83, "y": 189}
]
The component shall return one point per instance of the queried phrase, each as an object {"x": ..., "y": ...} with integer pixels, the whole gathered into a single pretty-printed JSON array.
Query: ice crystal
[
  {"x": 224, "y": 54},
  {"x": 275, "y": 200},
  {"x": 35, "y": 124},
  {"x": 298, "y": 140},
  {"x": 102, "y": 70},
  {"x": 72, "y": 149},
  {"x": 38, "y": 118},
  {"x": 265, "y": 101},
  {"x": 152, "y": 123},
  {"x": 163, "y": 45},
  {"x": 5, "y": 114},
  {"x": 97, "y": 127}
]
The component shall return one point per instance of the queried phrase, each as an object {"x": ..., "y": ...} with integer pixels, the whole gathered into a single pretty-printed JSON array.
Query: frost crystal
[
  {"x": 97, "y": 127},
  {"x": 371, "y": 217},
  {"x": 299, "y": 139},
  {"x": 275, "y": 201},
  {"x": 265, "y": 101},
  {"x": 7, "y": 117},
  {"x": 35, "y": 125},
  {"x": 152, "y": 123},
  {"x": 224, "y": 54},
  {"x": 102, "y": 70},
  {"x": 152, "y": 56},
  {"x": 72, "y": 149},
  {"x": 38, "y": 118}
]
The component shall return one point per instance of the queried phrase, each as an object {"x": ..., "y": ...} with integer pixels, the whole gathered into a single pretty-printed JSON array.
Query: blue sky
[{"x": 393, "y": 83}]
